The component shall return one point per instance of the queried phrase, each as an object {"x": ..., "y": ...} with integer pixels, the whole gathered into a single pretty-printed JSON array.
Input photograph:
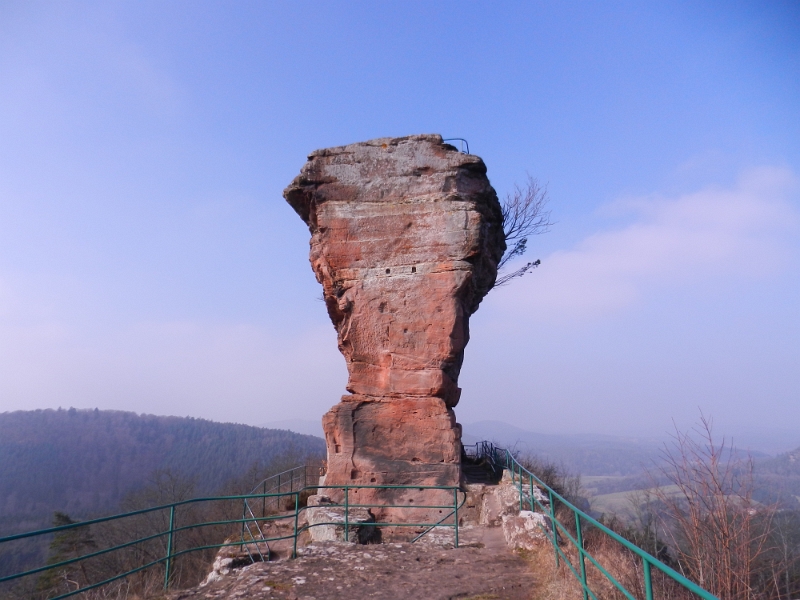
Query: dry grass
[{"x": 559, "y": 583}]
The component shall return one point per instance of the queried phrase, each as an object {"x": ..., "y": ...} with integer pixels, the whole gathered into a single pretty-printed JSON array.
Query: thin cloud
[{"x": 713, "y": 233}]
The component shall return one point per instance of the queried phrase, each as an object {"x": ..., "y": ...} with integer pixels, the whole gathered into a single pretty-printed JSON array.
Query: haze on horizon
[{"x": 148, "y": 261}]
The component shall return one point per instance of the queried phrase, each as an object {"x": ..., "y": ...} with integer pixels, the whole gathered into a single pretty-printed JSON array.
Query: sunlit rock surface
[{"x": 406, "y": 234}]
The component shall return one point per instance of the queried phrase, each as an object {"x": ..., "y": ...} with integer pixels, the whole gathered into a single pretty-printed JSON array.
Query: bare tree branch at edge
[
  {"x": 524, "y": 214},
  {"x": 719, "y": 534}
]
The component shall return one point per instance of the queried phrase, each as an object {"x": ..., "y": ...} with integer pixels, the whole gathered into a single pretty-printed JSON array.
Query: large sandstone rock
[{"x": 406, "y": 234}]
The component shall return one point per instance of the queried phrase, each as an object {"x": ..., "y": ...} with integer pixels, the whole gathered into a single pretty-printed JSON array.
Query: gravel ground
[{"x": 334, "y": 571}]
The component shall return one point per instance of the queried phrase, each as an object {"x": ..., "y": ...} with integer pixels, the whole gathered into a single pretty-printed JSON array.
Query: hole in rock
[
  {"x": 353, "y": 474},
  {"x": 411, "y": 501},
  {"x": 372, "y": 480},
  {"x": 337, "y": 448},
  {"x": 413, "y": 269},
  {"x": 388, "y": 271},
  {"x": 382, "y": 307}
]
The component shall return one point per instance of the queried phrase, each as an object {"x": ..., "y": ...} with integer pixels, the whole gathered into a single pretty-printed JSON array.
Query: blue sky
[{"x": 148, "y": 261}]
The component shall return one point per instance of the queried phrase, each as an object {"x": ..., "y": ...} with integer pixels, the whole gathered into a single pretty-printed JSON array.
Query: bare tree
[
  {"x": 718, "y": 532},
  {"x": 786, "y": 546},
  {"x": 524, "y": 214}
]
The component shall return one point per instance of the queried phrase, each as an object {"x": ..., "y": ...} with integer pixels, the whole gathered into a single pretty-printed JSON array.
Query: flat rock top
[
  {"x": 337, "y": 571},
  {"x": 388, "y": 170}
]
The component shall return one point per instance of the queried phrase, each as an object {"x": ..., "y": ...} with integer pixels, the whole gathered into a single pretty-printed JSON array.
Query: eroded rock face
[{"x": 406, "y": 234}]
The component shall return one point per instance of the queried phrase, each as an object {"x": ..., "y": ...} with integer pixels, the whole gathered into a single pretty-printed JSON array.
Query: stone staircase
[{"x": 479, "y": 470}]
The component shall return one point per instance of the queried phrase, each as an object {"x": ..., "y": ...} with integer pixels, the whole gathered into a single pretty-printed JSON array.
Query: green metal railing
[
  {"x": 271, "y": 494},
  {"x": 500, "y": 457},
  {"x": 270, "y": 491},
  {"x": 253, "y": 544},
  {"x": 290, "y": 480}
]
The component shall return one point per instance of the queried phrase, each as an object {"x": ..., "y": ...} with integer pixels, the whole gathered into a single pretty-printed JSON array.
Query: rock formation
[{"x": 406, "y": 234}]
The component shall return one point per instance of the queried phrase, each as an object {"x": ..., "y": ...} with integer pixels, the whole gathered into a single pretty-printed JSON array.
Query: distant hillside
[
  {"x": 304, "y": 426},
  {"x": 778, "y": 479},
  {"x": 584, "y": 454},
  {"x": 602, "y": 455},
  {"x": 84, "y": 462},
  {"x": 774, "y": 480}
]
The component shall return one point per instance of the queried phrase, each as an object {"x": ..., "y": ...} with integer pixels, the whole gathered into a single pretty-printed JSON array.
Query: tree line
[{"x": 80, "y": 464}]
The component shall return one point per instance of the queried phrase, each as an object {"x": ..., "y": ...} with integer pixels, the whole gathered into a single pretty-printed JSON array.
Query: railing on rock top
[
  {"x": 269, "y": 491},
  {"x": 462, "y": 144}
]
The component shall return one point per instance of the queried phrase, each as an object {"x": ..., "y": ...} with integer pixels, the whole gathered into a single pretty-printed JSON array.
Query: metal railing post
[
  {"x": 648, "y": 579},
  {"x": 168, "y": 565},
  {"x": 530, "y": 482},
  {"x": 264, "y": 501},
  {"x": 580, "y": 553},
  {"x": 520, "y": 488},
  {"x": 553, "y": 524},
  {"x": 455, "y": 512},
  {"x": 296, "y": 516},
  {"x": 244, "y": 514},
  {"x": 346, "y": 522}
]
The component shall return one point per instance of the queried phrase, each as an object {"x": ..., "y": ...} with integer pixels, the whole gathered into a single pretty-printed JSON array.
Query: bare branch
[
  {"x": 524, "y": 214},
  {"x": 504, "y": 279},
  {"x": 718, "y": 533}
]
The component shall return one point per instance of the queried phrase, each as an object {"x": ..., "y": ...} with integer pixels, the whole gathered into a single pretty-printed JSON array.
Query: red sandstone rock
[
  {"x": 412, "y": 440},
  {"x": 406, "y": 234}
]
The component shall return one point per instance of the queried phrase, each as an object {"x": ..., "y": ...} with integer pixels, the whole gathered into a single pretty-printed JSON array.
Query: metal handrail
[
  {"x": 463, "y": 143},
  {"x": 497, "y": 457},
  {"x": 246, "y": 527},
  {"x": 252, "y": 519},
  {"x": 275, "y": 483},
  {"x": 508, "y": 461},
  {"x": 277, "y": 477},
  {"x": 453, "y": 514}
]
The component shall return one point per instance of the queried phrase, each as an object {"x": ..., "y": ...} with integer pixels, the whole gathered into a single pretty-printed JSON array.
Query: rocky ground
[
  {"x": 339, "y": 571},
  {"x": 483, "y": 567}
]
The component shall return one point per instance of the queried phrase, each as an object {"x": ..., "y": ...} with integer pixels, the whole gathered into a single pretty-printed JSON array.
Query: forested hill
[
  {"x": 83, "y": 462},
  {"x": 778, "y": 479}
]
